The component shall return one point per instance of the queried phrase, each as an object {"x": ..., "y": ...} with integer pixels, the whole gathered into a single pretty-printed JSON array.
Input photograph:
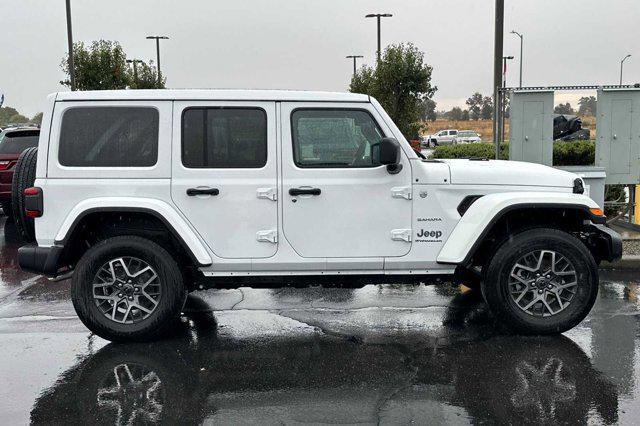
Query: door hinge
[
  {"x": 268, "y": 193},
  {"x": 401, "y": 235},
  {"x": 268, "y": 236},
  {"x": 402, "y": 192}
]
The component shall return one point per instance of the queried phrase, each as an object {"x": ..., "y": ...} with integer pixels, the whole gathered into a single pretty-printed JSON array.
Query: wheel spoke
[
  {"x": 118, "y": 293},
  {"x": 548, "y": 276}
]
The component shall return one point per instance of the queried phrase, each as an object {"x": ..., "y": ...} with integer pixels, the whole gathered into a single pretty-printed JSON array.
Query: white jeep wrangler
[{"x": 144, "y": 196}]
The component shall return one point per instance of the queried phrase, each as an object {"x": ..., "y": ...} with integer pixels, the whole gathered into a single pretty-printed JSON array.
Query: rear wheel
[
  {"x": 24, "y": 177},
  {"x": 128, "y": 288},
  {"x": 541, "y": 281}
]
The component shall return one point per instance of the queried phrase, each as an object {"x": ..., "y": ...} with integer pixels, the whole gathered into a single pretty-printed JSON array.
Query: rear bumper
[
  {"x": 608, "y": 243},
  {"x": 40, "y": 260}
]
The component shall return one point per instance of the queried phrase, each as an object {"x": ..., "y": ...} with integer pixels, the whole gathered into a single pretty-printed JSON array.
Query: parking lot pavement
[{"x": 388, "y": 354}]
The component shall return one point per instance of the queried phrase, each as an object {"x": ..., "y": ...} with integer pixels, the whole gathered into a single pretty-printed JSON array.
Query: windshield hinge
[
  {"x": 401, "y": 235},
  {"x": 267, "y": 236}
]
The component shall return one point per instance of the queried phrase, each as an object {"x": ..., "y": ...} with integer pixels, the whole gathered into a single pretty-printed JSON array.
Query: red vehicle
[{"x": 12, "y": 142}]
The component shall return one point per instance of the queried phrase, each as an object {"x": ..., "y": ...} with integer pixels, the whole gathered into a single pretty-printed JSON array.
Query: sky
[{"x": 302, "y": 44}]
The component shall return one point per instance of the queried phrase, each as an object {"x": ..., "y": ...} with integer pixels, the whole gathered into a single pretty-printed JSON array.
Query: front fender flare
[
  {"x": 487, "y": 210},
  {"x": 160, "y": 209}
]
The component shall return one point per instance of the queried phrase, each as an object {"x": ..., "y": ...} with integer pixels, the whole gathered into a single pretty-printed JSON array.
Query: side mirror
[{"x": 387, "y": 152}]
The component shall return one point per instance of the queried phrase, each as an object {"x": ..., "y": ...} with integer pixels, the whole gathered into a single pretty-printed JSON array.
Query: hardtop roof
[{"x": 212, "y": 94}]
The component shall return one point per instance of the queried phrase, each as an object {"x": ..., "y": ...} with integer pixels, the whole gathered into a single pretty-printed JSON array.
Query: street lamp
[
  {"x": 621, "y": 65},
  {"x": 378, "y": 16},
  {"x": 355, "y": 58},
  {"x": 72, "y": 71},
  {"x": 157, "y": 39},
  {"x": 521, "y": 43}
]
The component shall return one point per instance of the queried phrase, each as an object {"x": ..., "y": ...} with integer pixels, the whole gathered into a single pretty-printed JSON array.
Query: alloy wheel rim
[
  {"x": 543, "y": 283},
  {"x": 126, "y": 290}
]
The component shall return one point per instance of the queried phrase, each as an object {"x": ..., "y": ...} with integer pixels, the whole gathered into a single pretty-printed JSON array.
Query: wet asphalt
[{"x": 386, "y": 354}]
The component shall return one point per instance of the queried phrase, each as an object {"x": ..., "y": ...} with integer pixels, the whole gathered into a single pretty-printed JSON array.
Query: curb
[{"x": 627, "y": 263}]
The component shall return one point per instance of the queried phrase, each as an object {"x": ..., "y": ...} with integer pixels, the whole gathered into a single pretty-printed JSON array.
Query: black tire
[
  {"x": 24, "y": 177},
  {"x": 495, "y": 286},
  {"x": 172, "y": 290},
  {"x": 434, "y": 143}
]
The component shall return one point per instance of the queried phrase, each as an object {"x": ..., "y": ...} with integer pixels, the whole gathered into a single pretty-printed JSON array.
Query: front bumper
[
  {"x": 40, "y": 260},
  {"x": 608, "y": 243}
]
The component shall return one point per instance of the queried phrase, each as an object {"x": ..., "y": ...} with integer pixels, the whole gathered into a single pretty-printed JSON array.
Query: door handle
[
  {"x": 304, "y": 191},
  {"x": 192, "y": 192}
]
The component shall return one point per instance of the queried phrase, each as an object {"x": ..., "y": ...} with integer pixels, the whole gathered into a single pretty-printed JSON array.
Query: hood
[{"x": 499, "y": 172}]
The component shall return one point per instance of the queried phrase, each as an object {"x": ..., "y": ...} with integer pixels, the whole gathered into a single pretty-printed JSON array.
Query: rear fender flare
[{"x": 176, "y": 224}]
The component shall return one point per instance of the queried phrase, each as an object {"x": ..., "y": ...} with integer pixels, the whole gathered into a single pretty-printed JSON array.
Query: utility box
[
  {"x": 531, "y": 126},
  {"x": 618, "y": 134},
  {"x": 594, "y": 181}
]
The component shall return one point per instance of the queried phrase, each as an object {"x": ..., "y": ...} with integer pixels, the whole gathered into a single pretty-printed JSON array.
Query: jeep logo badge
[{"x": 429, "y": 234}]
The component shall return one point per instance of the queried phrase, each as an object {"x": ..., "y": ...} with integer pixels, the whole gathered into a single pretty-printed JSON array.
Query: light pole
[
  {"x": 621, "y": 65},
  {"x": 157, "y": 39},
  {"x": 72, "y": 71},
  {"x": 521, "y": 43},
  {"x": 378, "y": 16},
  {"x": 497, "y": 74},
  {"x": 503, "y": 104},
  {"x": 355, "y": 58}
]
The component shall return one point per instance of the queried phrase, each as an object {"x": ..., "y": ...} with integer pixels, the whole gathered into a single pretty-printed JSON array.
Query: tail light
[
  {"x": 33, "y": 202},
  {"x": 5, "y": 164}
]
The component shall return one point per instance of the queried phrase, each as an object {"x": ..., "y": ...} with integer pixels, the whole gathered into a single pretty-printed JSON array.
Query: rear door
[{"x": 224, "y": 175}]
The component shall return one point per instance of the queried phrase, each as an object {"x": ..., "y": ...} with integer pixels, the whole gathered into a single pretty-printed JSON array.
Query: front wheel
[
  {"x": 541, "y": 281},
  {"x": 128, "y": 288}
]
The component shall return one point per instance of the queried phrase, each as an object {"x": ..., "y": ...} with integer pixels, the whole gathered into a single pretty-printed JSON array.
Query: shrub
[{"x": 579, "y": 153}]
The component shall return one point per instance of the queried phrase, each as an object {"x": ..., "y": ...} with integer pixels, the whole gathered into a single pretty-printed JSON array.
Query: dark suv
[{"x": 12, "y": 142}]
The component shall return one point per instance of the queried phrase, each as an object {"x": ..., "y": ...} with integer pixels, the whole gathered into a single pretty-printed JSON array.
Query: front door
[
  {"x": 337, "y": 203},
  {"x": 224, "y": 175}
]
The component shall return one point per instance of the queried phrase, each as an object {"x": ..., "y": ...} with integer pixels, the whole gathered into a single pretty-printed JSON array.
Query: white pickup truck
[{"x": 143, "y": 196}]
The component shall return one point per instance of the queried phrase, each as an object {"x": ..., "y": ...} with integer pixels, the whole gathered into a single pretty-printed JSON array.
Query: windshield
[{"x": 16, "y": 142}]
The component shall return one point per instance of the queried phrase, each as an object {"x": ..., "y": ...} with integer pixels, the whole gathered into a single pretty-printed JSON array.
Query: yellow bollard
[{"x": 636, "y": 210}]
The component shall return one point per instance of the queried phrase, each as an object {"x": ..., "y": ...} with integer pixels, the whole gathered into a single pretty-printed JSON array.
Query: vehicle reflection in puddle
[{"x": 461, "y": 369}]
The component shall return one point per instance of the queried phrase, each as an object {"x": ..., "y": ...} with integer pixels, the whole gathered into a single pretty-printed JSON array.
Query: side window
[
  {"x": 109, "y": 137},
  {"x": 334, "y": 137},
  {"x": 453, "y": 132},
  {"x": 443, "y": 133},
  {"x": 224, "y": 138}
]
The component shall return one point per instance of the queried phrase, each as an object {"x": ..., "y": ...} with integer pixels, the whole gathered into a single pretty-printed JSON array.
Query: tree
[
  {"x": 11, "y": 115},
  {"x": 401, "y": 82},
  {"x": 564, "y": 109},
  {"x": 102, "y": 66},
  {"x": 455, "y": 114},
  {"x": 465, "y": 115},
  {"x": 144, "y": 76},
  {"x": 587, "y": 105},
  {"x": 428, "y": 110},
  {"x": 486, "y": 111},
  {"x": 37, "y": 119},
  {"x": 475, "y": 106}
]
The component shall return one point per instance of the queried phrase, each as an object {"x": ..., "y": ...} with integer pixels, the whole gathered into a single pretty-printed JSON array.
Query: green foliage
[
  {"x": 401, "y": 82},
  {"x": 455, "y": 114},
  {"x": 144, "y": 76},
  {"x": 579, "y": 153},
  {"x": 475, "y": 106},
  {"x": 564, "y": 109},
  {"x": 587, "y": 105},
  {"x": 101, "y": 66},
  {"x": 6, "y": 114},
  {"x": 486, "y": 112},
  {"x": 471, "y": 150},
  {"x": 428, "y": 110},
  {"x": 37, "y": 119}
]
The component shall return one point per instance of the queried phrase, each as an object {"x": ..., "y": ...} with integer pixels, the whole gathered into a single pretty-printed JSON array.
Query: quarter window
[
  {"x": 334, "y": 138},
  {"x": 224, "y": 138},
  {"x": 109, "y": 137}
]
